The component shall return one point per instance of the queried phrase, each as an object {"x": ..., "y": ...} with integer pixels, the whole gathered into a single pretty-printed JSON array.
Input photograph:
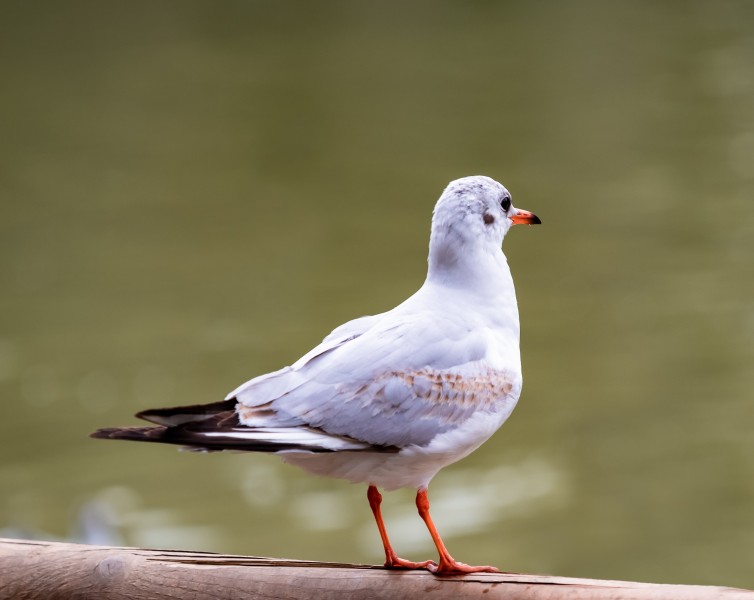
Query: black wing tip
[
  {"x": 177, "y": 415},
  {"x": 139, "y": 434},
  {"x": 106, "y": 433}
]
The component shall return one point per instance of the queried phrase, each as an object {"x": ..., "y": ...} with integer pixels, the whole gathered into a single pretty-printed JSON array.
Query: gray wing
[
  {"x": 265, "y": 388},
  {"x": 376, "y": 386}
]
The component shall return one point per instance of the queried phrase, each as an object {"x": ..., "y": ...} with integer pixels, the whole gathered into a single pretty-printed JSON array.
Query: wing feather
[
  {"x": 376, "y": 387},
  {"x": 265, "y": 388}
]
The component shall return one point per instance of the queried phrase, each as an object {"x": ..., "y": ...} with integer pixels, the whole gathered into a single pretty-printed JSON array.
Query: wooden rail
[{"x": 31, "y": 570}]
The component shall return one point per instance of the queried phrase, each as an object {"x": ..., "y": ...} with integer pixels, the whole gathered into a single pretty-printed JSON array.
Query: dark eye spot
[
  {"x": 488, "y": 219},
  {"x": 506, "y": 203}
]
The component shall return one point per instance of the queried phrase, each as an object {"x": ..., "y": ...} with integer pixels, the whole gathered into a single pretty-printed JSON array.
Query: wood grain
[{"x": 32, "y": 570}]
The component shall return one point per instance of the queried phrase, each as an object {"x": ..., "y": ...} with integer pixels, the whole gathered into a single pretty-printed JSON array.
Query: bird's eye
[{"x": 505, "y": 203}]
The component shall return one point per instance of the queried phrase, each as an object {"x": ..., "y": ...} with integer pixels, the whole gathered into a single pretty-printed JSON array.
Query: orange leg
[
  {"x": 448, "y": 565},
  {"x": 392, "y": 560}
]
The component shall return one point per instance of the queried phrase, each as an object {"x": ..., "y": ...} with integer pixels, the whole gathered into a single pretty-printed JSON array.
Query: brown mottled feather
[{"x": 397, "y": 408}]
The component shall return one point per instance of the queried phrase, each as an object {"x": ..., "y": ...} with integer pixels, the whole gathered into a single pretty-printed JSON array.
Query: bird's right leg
[{"x": 392, "y": 560}]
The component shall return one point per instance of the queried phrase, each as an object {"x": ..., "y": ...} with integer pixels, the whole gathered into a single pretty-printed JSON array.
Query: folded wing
[{"x": 376, "y": 387}]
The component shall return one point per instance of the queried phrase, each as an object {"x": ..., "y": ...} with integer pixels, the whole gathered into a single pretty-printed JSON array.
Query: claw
[
  {"x": 395, "y": 562},
  {"x": 453, "y": 567}
]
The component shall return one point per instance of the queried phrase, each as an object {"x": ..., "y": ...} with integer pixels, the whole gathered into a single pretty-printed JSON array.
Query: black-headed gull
[{"x": 390, "y": 399}]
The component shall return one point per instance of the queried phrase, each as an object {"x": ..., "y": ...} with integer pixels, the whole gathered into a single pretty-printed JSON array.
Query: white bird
[{"x": 390, "y": 399}]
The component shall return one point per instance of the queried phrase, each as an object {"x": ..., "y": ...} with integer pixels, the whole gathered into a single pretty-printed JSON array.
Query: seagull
[{"x": 389, "y": 399}]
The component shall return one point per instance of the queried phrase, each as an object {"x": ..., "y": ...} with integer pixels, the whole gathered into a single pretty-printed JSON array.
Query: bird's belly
[{"x": 413, "y": 466}]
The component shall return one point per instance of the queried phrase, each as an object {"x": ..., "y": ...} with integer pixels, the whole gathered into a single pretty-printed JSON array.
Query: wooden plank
[{"x": 31, "y": 570}]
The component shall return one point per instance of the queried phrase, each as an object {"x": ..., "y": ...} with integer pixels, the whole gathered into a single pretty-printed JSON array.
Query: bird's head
[{"x": 473, "y": 215}]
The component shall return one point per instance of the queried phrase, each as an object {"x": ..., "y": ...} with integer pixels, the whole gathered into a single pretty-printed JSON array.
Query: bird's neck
[{"x": 484, "y": 273}]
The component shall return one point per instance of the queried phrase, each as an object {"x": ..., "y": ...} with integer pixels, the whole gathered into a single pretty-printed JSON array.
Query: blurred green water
[{"x": 193, "y": 193}]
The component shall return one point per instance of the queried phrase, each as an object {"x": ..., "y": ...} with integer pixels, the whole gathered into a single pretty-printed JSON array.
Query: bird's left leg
[
  {"x": 392, "y": 560},
  {"x": 448, "y": 565}
]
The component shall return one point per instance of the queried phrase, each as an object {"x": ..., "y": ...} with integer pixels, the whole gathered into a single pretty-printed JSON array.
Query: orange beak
[{"x": 524, "y": 217}]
